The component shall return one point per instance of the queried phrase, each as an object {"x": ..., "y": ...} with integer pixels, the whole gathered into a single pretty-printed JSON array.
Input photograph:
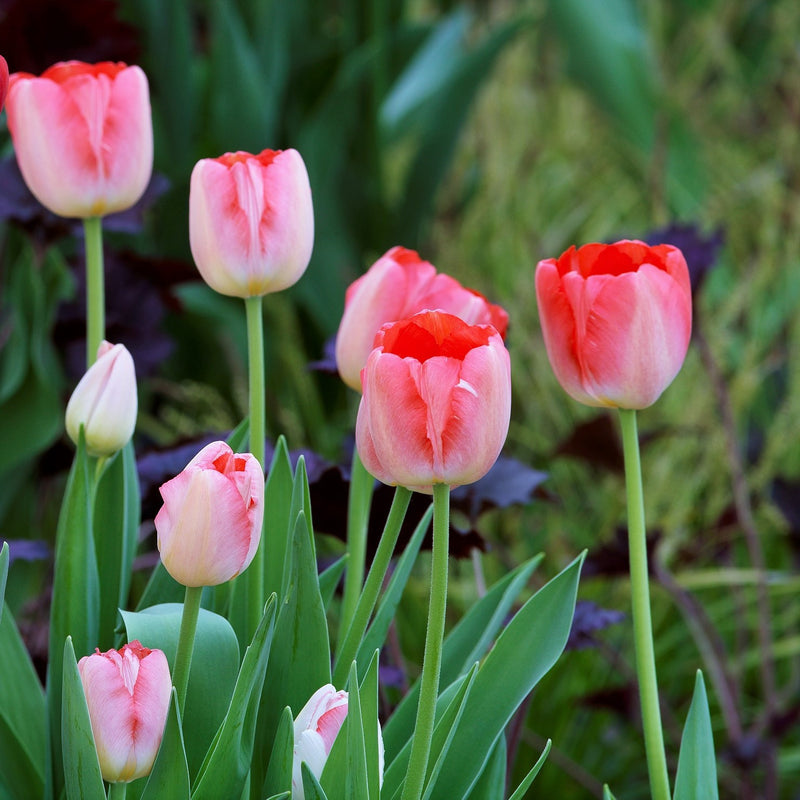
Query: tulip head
[
  {"x": 396, "y": 286},
  {"x": 436, "y": 402},
  {"x": 251, "y": 221},
  {"x": 3, "y": 81},
  {"x": 83, "y": 136},
  {"x": 210, "y": 524},
  {"x": 127, "y": 692},
  {"x": 616, "y": 320},
  {"x": 104, "y": 402}
]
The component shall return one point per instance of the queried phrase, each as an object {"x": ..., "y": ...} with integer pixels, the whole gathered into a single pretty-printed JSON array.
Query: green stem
[
  {"x": 358, "y": 506},
  {"x": 642, "y": 623},
  {"x": 183, "y": 657},
  {"x": 117, "y": 791},
  {"x": 350, "y": 643},
  {"x": 432, "y": 659},
  {"x": 254, "y": 575},
  {"x": 95, "y": 293}
]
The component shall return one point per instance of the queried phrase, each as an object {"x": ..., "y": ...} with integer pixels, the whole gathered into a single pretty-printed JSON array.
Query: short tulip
[
  {"x": 3, "y": 81},
  {"x": 396, "y": 286},
  {"x": 83, "y": 136},
  {"x": 104, "y": 402},
  {"x": 616, "y": 320},
  {"x": 251, "y": 221},
  {"x": 210, "y": 524},
  {"x": 127, "y": 692},
  {"x": 436, "y": 402}
]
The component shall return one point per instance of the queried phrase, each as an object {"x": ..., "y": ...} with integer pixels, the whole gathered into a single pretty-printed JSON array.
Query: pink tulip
[
  {"x": 251, "y": 222},
  {"x": 83, "y": 136},
  {"x": 210, "y": 524},
  {"x": 436, "y": 402},
  {"x": 104, "y": 402},
  {"x": 3, "y": 81},
  {"x": 396, "y": 286},
  {"x": 616, "y": 320},
  {"x": 127, "y": 692}
]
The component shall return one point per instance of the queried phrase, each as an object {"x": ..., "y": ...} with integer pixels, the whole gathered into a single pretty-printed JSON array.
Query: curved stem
[
  {"x": 640, "y": 600},
  {"x": 95, "y": 292},
  {"x": 432, "y": 659},
  {"x": 183, "y": 656},
  {"x": 377, "y": 572}
]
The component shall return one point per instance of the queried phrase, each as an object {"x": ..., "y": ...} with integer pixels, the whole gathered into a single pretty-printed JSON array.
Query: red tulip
[
  {"x": 251, "y": 222},
  {"x": 396, "y": 286},
  {"x": 210, "y": 524},
  {"x": 83, "y": 136},
  {"x": 436, "y": 402},
  {"x": 127, "y": 692},
  {"x": 616, "y": 320},
  {"x": 3, "y": 81}
]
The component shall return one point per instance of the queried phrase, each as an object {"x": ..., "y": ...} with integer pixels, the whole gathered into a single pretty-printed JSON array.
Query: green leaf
[
  {"x": 224, "y": 770},
  {"x": 311, "y": 788},
  {"x": 279, "y": 771},
  {"x": 492, "y": 781},
  {"x": 4, "y": 558},
  {"x": 356, "y": 786},
  {"x": 528, "y": 779},
  {"x": 281, "y": 796},
  {"x": 161, "y": 588},
  {"x": 697, "y": 767},
  {"x": 277, "y": 526},
  {"x": 169, "y": 778},
  {"x": 81, "y": 766},
  {"x": 607, "y": 793},
  {"x": 239, "y": 437},
  {"x": 215, "y": 664},
  {"x": 329, "y": 579}
]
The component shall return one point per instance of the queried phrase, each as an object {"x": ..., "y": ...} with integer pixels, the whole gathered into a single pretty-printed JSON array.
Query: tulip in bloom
[
  {"x": 616, "y": 320},
  {"x": 210, "y": 524},
  {"x": 104, "y": 402},
  {"x": 251, "y": 222},
  {"x": 436, "y": 402},
  {"x": 3, "y": 81},
  {"x": 127, "y": 692},
  {"x": 83, "y": 136},
  {"x": 396, "y": 286}
]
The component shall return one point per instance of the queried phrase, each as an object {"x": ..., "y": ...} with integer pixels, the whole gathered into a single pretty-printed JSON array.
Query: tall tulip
[
  {"x": 436, "y": 402},
  {"x": 127, "y": 692},
  {"x": 616, "y": 319},
  {"x": 83, "y": 136},
  {"x": 396, "y": 286},
  {"x": 3, "y": 81},
  {"x": 251, "y": 221}
]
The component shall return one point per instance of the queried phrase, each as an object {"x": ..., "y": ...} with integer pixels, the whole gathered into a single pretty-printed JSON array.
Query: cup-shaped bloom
[
  {"x": 396, "y": 286},
  {"x": 616, "y": 320},
  {"x": 127, "y": 692},
  {"x": 251, "y": 221},
  {"x": 3, "y": 81},
  {"x": 436, "y": 402},
  {"x": 210, "y": 524},
  {"x": 83, "y": 136},
  {"x": 104, "y": 402}
]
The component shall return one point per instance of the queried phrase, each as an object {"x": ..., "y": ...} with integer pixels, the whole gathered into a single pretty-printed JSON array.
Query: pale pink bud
[
  {"x": 127, "y": 692},
  {"x": 436, "y": 402},
  {"x": 104, "y": 402},
  {"x": 3, "y": 81},
  {"x": 251, "y": 221},
  {"x": 83, "y": 136},
  {"x": 210, "y": 524},
  {"x": 616, "y": 320},
  {"x": 396, "y": 286}
]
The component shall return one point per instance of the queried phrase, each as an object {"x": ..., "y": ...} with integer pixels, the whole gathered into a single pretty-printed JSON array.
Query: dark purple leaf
[
  {"x": 699, "y": 250},
  {"x": 590, "y": 618},
  {"x": 27, "y": 550}
]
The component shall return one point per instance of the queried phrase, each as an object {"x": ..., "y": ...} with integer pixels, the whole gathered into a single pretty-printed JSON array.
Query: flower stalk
[
  {"x": 183, "y": 656},
  {"x": 95, "y": 287}
]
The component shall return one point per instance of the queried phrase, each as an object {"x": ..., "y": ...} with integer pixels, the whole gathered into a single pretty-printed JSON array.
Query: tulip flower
[
  {"x": 251, "y": 222},
  {"x": 3, "y": 81},
  {"x": 616, "y": 320},
  {"x": 396, "y": 286},
  {"x": 127, "y": 692},
  {"x": 210, "y": 524},
  {"x": 104, "y": 402},
  {"x": 436, "y": 402},
  {"x": 83, "y": 136}
]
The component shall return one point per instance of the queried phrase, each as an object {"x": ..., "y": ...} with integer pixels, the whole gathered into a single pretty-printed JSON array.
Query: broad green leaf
[
  {"x": 329, "y": 579},
  {"x": 356, "y": 786},
  {"x": 215, "y": 664},
  {"x": 370, "y": 724},
  {"x": 528, "y": 779},
  {"x": 277, "y": 526},
  {"x": 169, "y": 778},
  {"x": 227, "y": 763},
  {"x": 311, "y": 788},
  {"x": 697, "y": 767},
  {"x": 161, "y": 588},
  {"x": 279, "y": 771},
  {"x": 492, "y": 782},
  {"x": 81, "y": 766},
  {"x": 238, "y": 438}
]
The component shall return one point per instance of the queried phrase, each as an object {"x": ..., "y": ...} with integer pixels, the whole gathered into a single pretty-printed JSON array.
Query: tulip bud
[
  {"x": 127, "y": 692},
  {"x": 210, "y": 524},
  {"x": 104, "y": 402},
  {"x": 396, "y": 286},
  {"x": 436, "y": 402},
  {"x": 616, "y": 320},
  {"x": 3, "y": 81},
  {"x": 251, "y": 222},
  {"x": 83, "y": 136}
]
